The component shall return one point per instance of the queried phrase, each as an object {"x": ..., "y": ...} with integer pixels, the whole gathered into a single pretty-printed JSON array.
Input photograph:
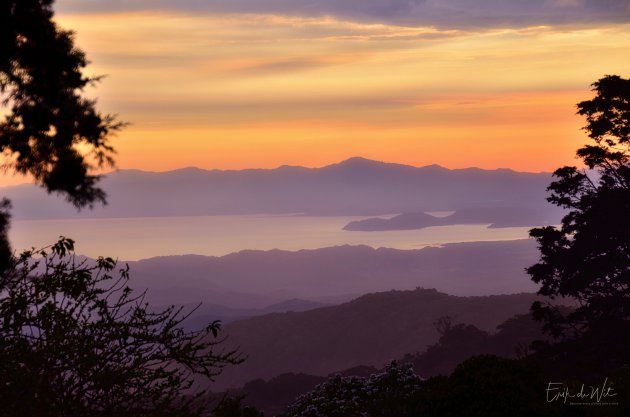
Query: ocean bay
[{"x": 144, "y": 237}]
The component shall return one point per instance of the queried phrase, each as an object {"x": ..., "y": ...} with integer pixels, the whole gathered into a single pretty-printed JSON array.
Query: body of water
[{"x": 144, "y": 237}]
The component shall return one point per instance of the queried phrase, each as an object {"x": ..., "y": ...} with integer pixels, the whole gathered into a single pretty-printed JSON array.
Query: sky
[{"x": 262, "y": 83}]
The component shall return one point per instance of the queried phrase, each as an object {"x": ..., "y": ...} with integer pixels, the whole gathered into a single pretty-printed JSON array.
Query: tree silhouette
[
  {"x": 75, "y": 341},
  {"x": 588, "y": 257},
  {"x": 233, "y": 407},
  {"x": 52, "y": 132}
]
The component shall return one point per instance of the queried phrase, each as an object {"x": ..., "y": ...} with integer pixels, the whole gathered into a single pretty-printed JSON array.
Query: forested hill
[{"x": 370, "y": 330}]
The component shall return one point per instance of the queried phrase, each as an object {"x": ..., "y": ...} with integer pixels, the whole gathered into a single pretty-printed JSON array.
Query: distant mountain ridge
[
  {"x": 207, "y": 313},
  {"x": 356, "y": 186},
  {"x": 257, "y": 279}
]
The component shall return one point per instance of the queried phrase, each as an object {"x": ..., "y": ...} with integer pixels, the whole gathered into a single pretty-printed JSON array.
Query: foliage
[
  {"x": 52, "y": 132},
  {"x": 482, "y": 386},
  {"x": 75, "y": 341},
  {"x": 381, "y": 394},
  {"x": 233, "y": 407},
  {"x": 5, "y": 247},
  {"x": 459, "y": 342},
  {"x": 588, "y": 257},
  {"x": 488, "y": 386},
  {"x": 274, "y": 395}
]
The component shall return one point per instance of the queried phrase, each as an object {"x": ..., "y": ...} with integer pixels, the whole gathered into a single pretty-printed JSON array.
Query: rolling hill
[
  {"x": 371, "y": 330},
  {"x": 256, "y": 279}
]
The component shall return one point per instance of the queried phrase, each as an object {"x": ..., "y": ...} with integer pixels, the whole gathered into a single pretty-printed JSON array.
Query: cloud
[
  {"x": 439, "y": 13},
  {"x": 244, "y": 89}
]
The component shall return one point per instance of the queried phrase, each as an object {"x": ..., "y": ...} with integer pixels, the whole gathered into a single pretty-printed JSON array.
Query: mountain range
[
  {"x": 355, "y": 186},
  {"x": 257, "y": 279}
]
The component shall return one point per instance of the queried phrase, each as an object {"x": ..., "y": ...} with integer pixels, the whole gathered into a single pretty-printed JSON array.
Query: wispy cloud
[
  {"x": 439, "y": 13},
  {"x": 242, "y": 89}
]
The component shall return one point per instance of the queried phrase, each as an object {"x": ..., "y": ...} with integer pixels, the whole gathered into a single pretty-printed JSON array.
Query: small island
[{"x": 495, "y": 217}]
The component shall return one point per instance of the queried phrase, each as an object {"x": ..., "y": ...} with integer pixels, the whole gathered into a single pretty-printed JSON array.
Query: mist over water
[{"x": 145, "y": 237}]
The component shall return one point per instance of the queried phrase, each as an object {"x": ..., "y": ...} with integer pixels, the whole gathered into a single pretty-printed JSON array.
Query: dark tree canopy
[
  {"x": 75, "y": 341},
  {"x": 588, "y": 257},
  {"x": 52, "y": 132}
]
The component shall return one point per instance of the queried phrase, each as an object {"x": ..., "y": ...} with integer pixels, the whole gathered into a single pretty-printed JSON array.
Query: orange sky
[{"x": 238, "y": 91}]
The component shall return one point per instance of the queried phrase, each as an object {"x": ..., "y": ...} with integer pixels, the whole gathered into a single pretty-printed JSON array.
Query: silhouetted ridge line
[{"x": 354, "y": 187}]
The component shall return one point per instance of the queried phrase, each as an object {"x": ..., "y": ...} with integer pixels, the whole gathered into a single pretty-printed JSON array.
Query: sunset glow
[{"x": 232, "y": 91}]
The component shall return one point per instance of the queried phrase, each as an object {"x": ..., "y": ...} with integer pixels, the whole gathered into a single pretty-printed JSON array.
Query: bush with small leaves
[
  {"x": 381, "y": 395},
  {"x": 75, "y": 341}
]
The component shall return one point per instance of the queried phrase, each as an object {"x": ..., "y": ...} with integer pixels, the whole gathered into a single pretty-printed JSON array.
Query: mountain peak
[
  {"x": 360, "y": 166},
  {"x": 359, "y": 161}
]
